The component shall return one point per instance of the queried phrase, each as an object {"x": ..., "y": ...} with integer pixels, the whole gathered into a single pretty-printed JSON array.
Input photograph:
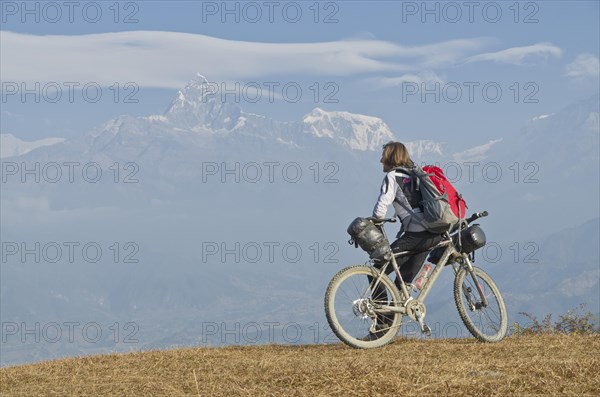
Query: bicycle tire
[
  {"x": 345, "y": 330},
  {"x": 468, "y": 300}
]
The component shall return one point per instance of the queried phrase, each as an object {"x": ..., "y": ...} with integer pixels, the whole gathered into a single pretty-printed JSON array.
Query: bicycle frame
[{"x": 450, "y": 253}]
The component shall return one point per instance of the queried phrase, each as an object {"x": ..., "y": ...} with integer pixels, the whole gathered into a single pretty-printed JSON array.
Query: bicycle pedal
[{"x": 426, "y": 330}]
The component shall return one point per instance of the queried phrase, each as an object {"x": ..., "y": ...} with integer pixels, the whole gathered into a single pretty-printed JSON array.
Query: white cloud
[
  {"x": 441, "y": 55},
  {"x": 519, "y": 55},
  {"x": 584, "y": 65},
  {"x": 476, "y": 153},
  {"x": 11, "y": 146},
  {"x": 542, "y": 116},
  {"x": 417, "y": 78},
  {"x": 168, "y": 59}
]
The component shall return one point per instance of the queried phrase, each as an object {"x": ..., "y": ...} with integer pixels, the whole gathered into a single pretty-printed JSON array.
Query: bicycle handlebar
[
  {"x": 470, "y": 219},
  {"x": 476, "y": 215},
  {"x": 378, "y": 221}
]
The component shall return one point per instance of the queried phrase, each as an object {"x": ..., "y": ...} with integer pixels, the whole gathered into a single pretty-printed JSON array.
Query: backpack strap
[
  {"x": 412, "y": 214},
  {"x": 415, "y": 185}
]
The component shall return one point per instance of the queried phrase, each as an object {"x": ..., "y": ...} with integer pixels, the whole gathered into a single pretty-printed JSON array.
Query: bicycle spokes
[
  {"x": 475, "y": 295},
  {"x": 480, "y": 305},
  {"x": 358, "y": 305}
]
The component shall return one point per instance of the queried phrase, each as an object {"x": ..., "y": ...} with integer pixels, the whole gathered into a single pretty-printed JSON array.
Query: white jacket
[{"x": 391, "y": 191}]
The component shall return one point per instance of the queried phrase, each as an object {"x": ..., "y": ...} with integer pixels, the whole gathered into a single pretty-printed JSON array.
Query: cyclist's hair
[{"x": 395, "y": 154}]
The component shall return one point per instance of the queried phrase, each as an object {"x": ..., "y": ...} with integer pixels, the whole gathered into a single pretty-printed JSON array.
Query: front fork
[{"x": 469, "y": 266}]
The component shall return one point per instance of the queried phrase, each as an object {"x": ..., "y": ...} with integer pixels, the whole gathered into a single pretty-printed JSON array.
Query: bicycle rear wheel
[
  {"x": 488, "y": 323},
  {"x": 353, "y": 312}
]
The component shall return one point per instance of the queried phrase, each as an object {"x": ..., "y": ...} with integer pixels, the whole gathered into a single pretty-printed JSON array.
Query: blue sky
[{"x": 541, "y": 55}]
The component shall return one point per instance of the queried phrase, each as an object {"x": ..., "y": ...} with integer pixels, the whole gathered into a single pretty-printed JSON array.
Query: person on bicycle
[{"x": 398, "y": 187}]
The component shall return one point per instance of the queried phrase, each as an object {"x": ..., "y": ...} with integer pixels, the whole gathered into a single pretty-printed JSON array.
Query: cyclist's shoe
[
  {"x": 371, "y": 336},
  {"x": 381, "y": 329}
]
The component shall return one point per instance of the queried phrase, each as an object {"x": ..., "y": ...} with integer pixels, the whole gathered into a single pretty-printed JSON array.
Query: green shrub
[{"x": 575, "y": 321}]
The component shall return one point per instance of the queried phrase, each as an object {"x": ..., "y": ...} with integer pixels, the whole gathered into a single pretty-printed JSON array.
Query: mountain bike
[{"x": 364, "y": 319}]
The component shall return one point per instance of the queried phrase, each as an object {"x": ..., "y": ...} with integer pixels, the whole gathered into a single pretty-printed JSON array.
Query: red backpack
[
  {"x": 457, "y": 203},
  {"x": 442, "y": 206}
]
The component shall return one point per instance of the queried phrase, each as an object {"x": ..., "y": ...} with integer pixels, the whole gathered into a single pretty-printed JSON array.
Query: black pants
[{"x": 418, "y": 242}]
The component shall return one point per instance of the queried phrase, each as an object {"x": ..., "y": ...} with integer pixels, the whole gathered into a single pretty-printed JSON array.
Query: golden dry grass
[{"x": 546, "y": 365}]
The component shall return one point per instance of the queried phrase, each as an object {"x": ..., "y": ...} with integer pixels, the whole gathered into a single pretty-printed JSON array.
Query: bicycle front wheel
[
  {"x": 353, "y": 307},
  {"x": 486, "y": 320}
]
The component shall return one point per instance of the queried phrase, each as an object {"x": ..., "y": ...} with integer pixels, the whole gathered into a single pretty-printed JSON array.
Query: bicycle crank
[{"x": 416, "y": 311}]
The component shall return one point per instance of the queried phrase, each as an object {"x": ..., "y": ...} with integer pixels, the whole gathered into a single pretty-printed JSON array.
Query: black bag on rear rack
[
  {"x": 364, "y": 233},
  {"x": 471, "y": 239}
]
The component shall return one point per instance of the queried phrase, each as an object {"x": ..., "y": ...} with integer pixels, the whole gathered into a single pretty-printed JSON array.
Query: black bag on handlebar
[
  {"x": 472, "y": 238},
  {"x": 369, "y": 237}
]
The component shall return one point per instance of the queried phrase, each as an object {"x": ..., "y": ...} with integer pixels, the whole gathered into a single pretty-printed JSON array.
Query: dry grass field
[{"x": 535, "y": 365}]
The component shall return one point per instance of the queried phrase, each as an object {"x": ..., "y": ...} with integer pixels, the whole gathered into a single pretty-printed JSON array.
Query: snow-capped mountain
[
  {"x": 355, "y": 131},
  {"x": 197, "y": 124},
  {"x": 196, "y": 108},
  {"x": 547, "y": 172},
  {"x": 423, "y": 149},
  {"x": 11, "y": 146},
  {"x": 197, "y": 118},
  {"x": 566, "y": 137}
]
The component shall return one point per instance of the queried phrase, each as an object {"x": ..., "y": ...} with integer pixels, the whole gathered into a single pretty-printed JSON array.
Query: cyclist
[{"x": 398, "y": 187}]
